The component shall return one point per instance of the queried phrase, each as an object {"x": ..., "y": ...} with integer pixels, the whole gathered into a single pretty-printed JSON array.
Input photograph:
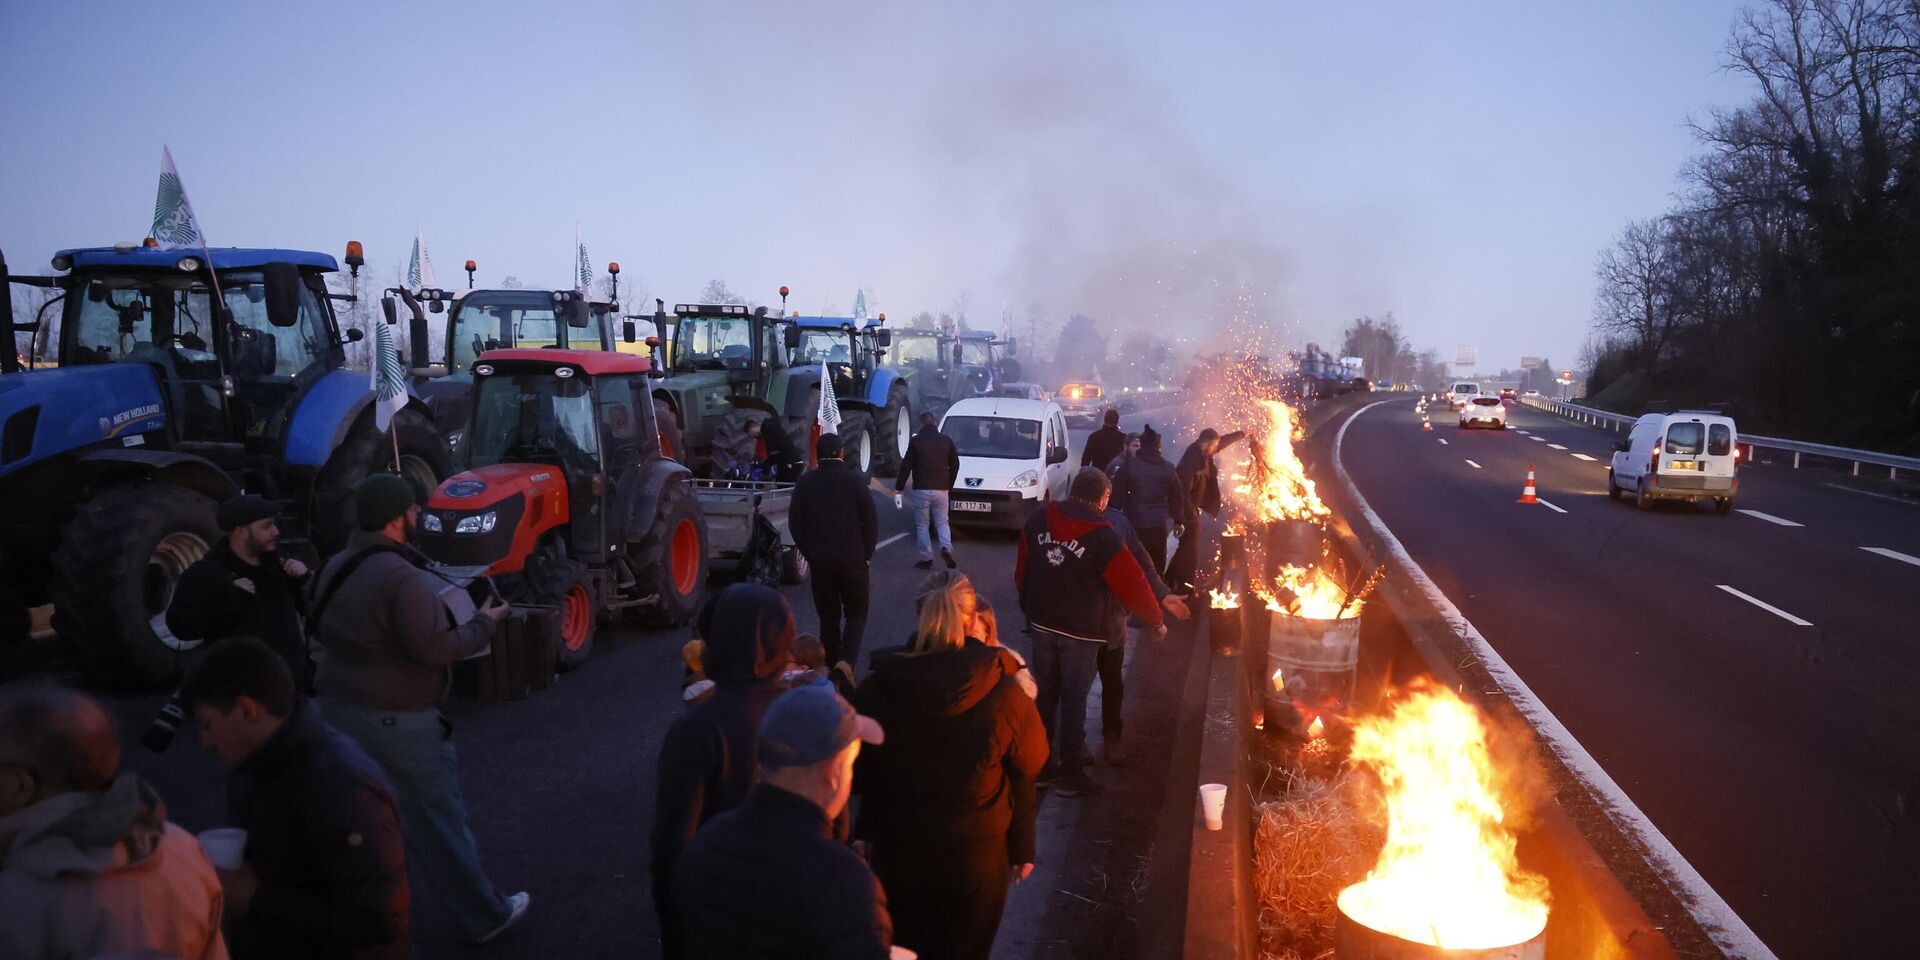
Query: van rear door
[
  {"x": 1720, "y": 459},
  {"x": 1682, "y": 449}
]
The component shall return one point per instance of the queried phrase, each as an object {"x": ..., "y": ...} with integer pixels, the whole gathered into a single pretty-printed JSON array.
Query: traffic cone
[
  {"x": 1526, "y": 496},
  {"x": 1426, "y": 424}
]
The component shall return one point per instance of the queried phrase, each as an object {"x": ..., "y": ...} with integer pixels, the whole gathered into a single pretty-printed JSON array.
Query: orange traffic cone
[
  {"x": 1425, "y": 423},
  {"x": 1526, "y": 496}
]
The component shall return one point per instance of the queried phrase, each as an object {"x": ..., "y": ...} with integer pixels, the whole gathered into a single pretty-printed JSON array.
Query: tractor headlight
[
  {"x": 478, "y": 523},
  {"x": 189, "y": 264},
  {"x": 1031, "y": 478},
  {"x": 430, "y": 523}
]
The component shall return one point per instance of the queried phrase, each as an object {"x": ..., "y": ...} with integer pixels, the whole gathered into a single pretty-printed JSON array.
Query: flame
[
  {"x": 1279, "y": 681},
  {"x": 1223, "y": 601},
  {"x": 1447, "y": 876},
  {"x": 1317, "y": 729},
  {"x": 1272, "y": 481},
  {"x": 1317, "y": 596}
]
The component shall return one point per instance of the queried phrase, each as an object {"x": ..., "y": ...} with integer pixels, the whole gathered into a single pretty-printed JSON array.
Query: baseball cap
[
  {"x": 246, "y": 508},
  {"x": 809, "y": 725}
]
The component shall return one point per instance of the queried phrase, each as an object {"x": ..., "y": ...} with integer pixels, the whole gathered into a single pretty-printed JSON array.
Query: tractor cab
[
  {"x": 983, "y": 361},
  {"x": 850, "y": 348},
  {"x": 729, "y": 364}
]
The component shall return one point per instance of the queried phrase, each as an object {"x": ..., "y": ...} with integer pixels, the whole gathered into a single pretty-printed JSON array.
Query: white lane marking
[
  {"x": 1476, "y": 466},
  {"x": 1721, "y": 924},
  {"x": 1893, "y": 555},
  {"x": 1768, "y": 607},
  {"x": 1443, "y": 439},
  {"x": 1770, "y": 518},
  {"x": 1549, "y": 506},
  {"x": 1520, "y": 432},
  {"x": 1538, "y": 437},
  {"x": 897, "y": 536},
  {"x": 1556, "y": 446},
  {"x": 1582, "y": 456}
]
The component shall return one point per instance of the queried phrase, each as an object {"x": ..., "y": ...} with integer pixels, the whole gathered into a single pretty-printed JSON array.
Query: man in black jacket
[
  {"x": 1105, "y": 443},
  {"x": 326, "y": 872},
  {"x": 243, "y": 588},
  {"x": 1200, "y": 477},
  {"x": 820, "y": 899},
  {"x": 1148, "y": 490},
  {"x": 835, "y": 528},
  {"x": 931, "y": 465}
]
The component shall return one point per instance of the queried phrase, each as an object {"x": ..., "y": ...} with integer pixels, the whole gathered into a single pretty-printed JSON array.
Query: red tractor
[{"x": 562, "y": 492}]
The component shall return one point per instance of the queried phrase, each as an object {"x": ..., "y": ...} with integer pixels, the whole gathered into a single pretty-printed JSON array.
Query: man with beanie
[
  {"x": 1070, "y": 567},
  {"x": 835, "y": 527},
  {"x": 827, "y": 902},
  {"x": 1148, "y": 490},
  {"x": 1200, "y": 478},
  {"x": 931, "y": 464},
  {"x": 387, "y": 645},
  {"x": 243, "y": 588},
  {"x": 1105, "y": 443},
  {"x": 707, "y": 757}
]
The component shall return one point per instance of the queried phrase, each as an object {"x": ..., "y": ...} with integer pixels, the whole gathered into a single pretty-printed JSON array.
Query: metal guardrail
[{"x": 1894, "y": 463}]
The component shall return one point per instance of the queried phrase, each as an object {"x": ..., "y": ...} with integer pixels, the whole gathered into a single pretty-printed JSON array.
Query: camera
[{"x": 159, "y": 734}]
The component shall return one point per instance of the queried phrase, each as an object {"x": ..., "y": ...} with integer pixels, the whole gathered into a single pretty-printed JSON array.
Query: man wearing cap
[
  {"x": 243, "y": 588},
  {"x": 825, "y": 901},
  {"x": 387, "y": 642},
  {"x": 835, "y": 527}
]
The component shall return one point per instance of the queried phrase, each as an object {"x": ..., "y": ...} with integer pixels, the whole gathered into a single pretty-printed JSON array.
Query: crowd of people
[{"x": 800, "y": 811}]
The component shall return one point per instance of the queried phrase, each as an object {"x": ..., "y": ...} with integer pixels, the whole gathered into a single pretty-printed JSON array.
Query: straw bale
[{"x": 1316, "y": 841}]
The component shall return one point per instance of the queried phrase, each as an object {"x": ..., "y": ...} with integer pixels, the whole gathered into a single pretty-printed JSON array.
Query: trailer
[{"x": 735, "y": 510}]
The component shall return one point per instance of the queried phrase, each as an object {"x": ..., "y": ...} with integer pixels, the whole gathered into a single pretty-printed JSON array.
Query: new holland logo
[
  {"x": 973, "y": 481},
  {"x": 1056, "y": 555}
]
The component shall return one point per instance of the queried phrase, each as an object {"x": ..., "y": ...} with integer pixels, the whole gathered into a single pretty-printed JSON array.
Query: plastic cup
[
  {"x": 901, "y": 953},
  {"x": 225, "y": 846},
  {"x": 1213, "y": 803}
]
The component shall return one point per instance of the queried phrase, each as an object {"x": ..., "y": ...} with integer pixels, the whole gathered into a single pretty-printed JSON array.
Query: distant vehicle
[
  {"x": 1022, "y": 391},
  {"x": 1460, "y": 393},
  {"x": 1531, "y": 393},
  {"x": 1507, "y": 393},
  {"x": 1691, "y": 455},
  {"x": 1013, "y": 457},
  {"x": 1082, "y": 400},
  {"x": 1487, "y": 411}
]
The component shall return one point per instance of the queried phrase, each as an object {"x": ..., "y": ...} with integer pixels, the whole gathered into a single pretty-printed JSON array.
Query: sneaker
[
  {"x": 924, "y": 565},
  {"x": 1049, "y": 772},
  {"x": 1078, "y": 785},
  {"x": 844, "y": 671},
  {"x": 517, "y": 908},
  {"x": 951, "y": 563},
  {"x": 1116, "y": 753}
]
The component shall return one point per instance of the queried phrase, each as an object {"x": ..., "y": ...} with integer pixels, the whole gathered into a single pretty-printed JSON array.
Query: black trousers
[
  {"x": 840, "y": 594},
  {"x": 1185, "y": 562},
  {"x": 945, "y": 893},
  {"x": 1155, "y": 540},
  {"x": 1111, "y": 661}
]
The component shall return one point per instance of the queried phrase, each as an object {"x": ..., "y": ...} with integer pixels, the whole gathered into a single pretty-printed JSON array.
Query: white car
[
  {"x": 1460, "y": 393},
  {"x": 1022, "y": 391},
  {"x": 1484, "y": 411},
  {"x": 1013, "y": 457},
  {"x": 1691, "y": 455}
]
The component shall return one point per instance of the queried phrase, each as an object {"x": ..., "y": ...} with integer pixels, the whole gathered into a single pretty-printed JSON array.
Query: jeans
[
  {"x": 415, "y": 748},
  {"x": 1111, "y": 662},
  {"x": 840, "y": 598},
  {"x": 930, "y": 502},
  {"x": 1063, "y": 668}
]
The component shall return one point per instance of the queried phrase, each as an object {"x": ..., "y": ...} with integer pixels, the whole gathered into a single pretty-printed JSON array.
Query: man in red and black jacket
[{"x": 1071, "y": 566}]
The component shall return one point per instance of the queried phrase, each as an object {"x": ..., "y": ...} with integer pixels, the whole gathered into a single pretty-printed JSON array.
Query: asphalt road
[
  {"x": 560, "y": 786},
  {"x": 1751, "y": 680}
]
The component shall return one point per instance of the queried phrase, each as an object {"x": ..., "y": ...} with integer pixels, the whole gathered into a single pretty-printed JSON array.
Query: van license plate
[
  {"x": 1683, "y": 465},
  {"x": 973, "y": 506}
]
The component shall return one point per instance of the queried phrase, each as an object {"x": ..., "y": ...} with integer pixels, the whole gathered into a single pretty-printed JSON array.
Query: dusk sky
[{"x": 1458, "y": 164}]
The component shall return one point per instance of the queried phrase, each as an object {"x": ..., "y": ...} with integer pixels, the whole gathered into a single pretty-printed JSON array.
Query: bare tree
[{"x": 1635, "y": 290}]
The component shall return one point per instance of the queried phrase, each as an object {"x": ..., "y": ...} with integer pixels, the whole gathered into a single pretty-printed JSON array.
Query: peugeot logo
[{"x": 973, "y": 481}]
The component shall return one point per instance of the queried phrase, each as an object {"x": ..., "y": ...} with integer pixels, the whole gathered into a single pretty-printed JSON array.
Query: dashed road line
[
  {"x": 1538, "y": 437},
  {"x": 1582, "y": 456},
  {"x": 1770, "y": 518},
  {"x": 1883, "y": 551},
  {"x": 897, "y": 536},
  {"x": 1556, "y": 446},
  {"x": 1443, "y": 439},
  {"x": 1549, "y": 506},
  {"x": 1476, "y": 466},
  {"x": 1768, "y": 607},
  {"x": 1520, "y": 432}
]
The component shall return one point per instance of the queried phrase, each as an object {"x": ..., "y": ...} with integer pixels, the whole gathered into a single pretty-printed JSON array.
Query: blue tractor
[
  {"x": 877, "y": 416},
  {"x": 984, "y": 362},
  {"x": 153, "y": 402}
]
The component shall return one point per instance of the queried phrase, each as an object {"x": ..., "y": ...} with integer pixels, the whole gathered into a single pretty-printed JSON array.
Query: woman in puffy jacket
[{"x": 947, "y": 803}]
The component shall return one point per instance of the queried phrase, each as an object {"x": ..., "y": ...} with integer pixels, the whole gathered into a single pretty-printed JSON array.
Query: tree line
[{"x": 1785, "y": 280}]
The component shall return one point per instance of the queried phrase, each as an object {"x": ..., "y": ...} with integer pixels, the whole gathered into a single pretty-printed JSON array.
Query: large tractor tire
[
  {"x": 424, "y": 459},
  {"x": 893, "y": 432},
  {"x": 856, "y": 436},
  {"x": 567, "y": 587},
  {"x": 113, "y": 578},
  {"x": 671, "y": 561}
]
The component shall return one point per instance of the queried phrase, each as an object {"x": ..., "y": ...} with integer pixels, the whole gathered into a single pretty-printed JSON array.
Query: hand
[
  {"x": 899, "y": 500},
  {"x": 1157, "y": 632},
  {"x": 1176, "y": 606},
  {"x": 293, "y": 568},
  {"x": 494, "y": 609},
  {"x": 243, "y": 583},
  {"x": 237, "y": 888},
  {"x": 1021, "y": 871},
  {"x": 860, "y": 847}
]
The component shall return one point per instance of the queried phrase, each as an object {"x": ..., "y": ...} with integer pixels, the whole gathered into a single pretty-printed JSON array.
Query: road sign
[{"x": 1530, "y": 363}]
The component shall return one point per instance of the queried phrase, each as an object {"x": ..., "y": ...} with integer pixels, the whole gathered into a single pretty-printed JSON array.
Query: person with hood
[
  {"x": 1149, "y": 492},
  {"x": 244, "y": 588},
  {"x": 947, "y": 802},
  {"x": 388, "y": 645},
  {"x": 822, "y": 899},
  {"x": 89, "y": 865},
  {"x": 325, "y": 875},
  {"x": 706, "y": 761},
  {"x": 1071, "y": 568},
  {"x": 1200, "y": 477},
  {"x": 931, "y": 465},
  {"x": 1105, "y": 443},
  {"x": 834, "y": 526}
]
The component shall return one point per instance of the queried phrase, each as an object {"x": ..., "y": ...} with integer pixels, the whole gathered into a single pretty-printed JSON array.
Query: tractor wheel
[
  {"x": 893, "y": 433},
  {"x": 566, "y": 586},
  {"x": 856, "y": 433},
  {"x": 423, "y": 459},
  {"x": 671, "y": 562},
  {"x": 114, "y": 573}
]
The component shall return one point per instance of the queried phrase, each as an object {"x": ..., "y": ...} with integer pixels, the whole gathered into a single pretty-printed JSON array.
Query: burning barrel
[
  {"x": 1353, "y": 940},
  {"x": 1311, "y": 661}
]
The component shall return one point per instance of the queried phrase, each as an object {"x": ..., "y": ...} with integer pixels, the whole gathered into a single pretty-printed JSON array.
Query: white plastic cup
[
  {"x": 1213, "y": 803},
  {"x": 225, "y": 846},
  {"x": 901, "y": 953}
]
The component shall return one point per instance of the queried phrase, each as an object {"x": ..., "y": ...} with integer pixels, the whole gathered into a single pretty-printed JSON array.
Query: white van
[
  {"x": 1691, "y": 455},
  {"x": 1462, "y": 393},
  {"x": 1013, "y": 457}
]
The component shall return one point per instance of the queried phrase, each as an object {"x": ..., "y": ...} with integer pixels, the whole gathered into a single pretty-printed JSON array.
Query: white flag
[
  {"x": 173, "y": 224},
  {"x": 583, "y": 268},
  {"x": 829, "y": 416},
  {"x": 859, "y": 304},
  {"x": 420, "y": 268},
  {"x": 389, "y": 377}
]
